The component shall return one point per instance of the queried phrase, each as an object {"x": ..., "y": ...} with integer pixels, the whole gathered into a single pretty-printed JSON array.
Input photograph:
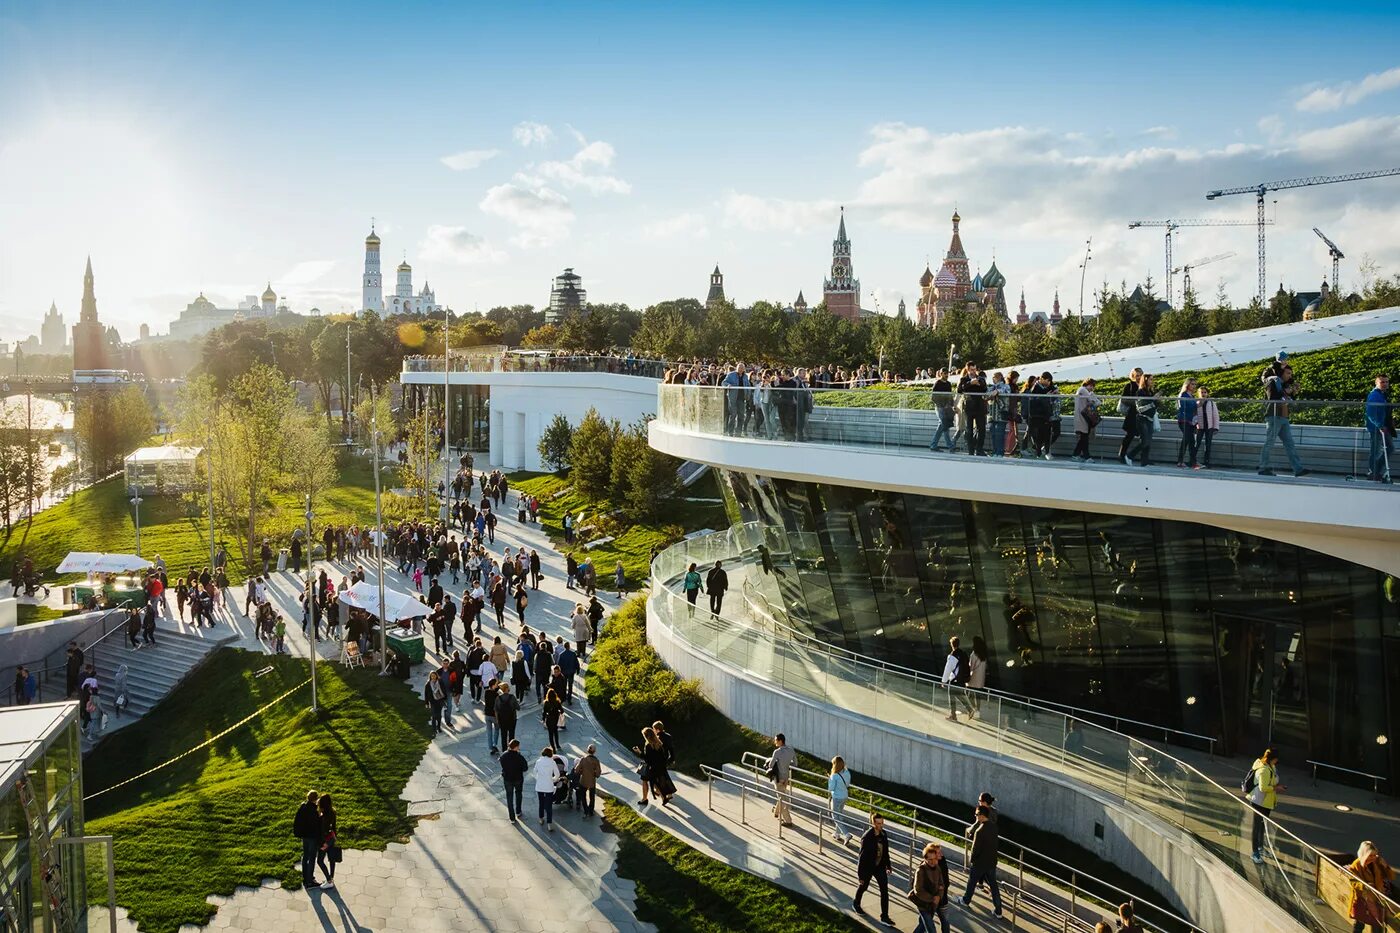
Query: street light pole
[
  {"x": 310, "y": 604},
  {"x": 344, "y": 401},
  {"x": 379, "y": 530},
  {"x": 446, "y": 406},
  {"x": 1083, "y": 269},
  {"x": 209, "y": 471},
  {"x": 136, "y": 503}
]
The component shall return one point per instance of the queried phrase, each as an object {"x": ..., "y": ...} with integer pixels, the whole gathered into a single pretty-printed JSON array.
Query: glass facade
[
  {"x": 1176, "y": 624},
  {"x": 470, "y": 414}
]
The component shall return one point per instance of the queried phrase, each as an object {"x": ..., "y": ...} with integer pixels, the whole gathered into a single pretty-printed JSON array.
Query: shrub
[
  {"x": 627, "y": 676},
  {"x": 555, "y": 441}
]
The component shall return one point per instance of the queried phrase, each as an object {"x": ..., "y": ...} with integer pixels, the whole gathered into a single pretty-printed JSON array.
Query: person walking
[
  {"x": 595, "y": 617},
  {"x": 1364, "y": 908},
  {"x": 513, "y": 769},
  {"x": 838, "y": 788},
  {"x": 536, "y": 573},
  {"x": 691, "y": 586},
  {"x": 582, "y": 630},
  {"x": 21, "y": 686},
  {"x": 553, "y": 709},
  {"x": 544, "y": 668},
  {"x": 507, "y": 712},
  {"x": 620, "y": 579},
  {"x": 1207, "y": 425},
  {"x": 1380, "y": 425},
  {"x": 1127, "y": 919},
  {"x": 1279, "y": 390},
  {"x": 982, "y": 863},
  {"x": 547, "y": 779},
  {"x": 1127, "y": 407},
  {"x": 1186, "y": 407},
  {"x": 520, "y": 674},
  {"x": 488, "y": 706},
  {"x": 568, "y": 664},
  {"x": 1147, "y": 403},
  {"x": 956, "y": 674},
  {"x": 435, "y": 697},
  {"x": 874, "y": 865},
  {"x": 779, "y": 769},
  {"x": 1086, "y": 419},
  {"x": 716, "y": 582},
  {"x": 329, "y": 853},
  {"x": 656, "y": 760},
  {"x": 306, "y": 826},
  {"x": 588, "y": 769},
  {"x": 942, "y": 397},
  {"x": 930, "y": 894},
  {"x": 1263, "y": 787}
]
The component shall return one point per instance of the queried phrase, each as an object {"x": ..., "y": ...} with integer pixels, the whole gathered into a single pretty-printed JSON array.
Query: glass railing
[
  {"x": 1293, "y": 874},
  {"x": 1327, "y": 438},
  {"x": 537, "y": 362}
]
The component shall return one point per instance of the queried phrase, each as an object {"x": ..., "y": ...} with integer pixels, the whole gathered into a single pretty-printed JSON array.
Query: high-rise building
[
  {"x": 842, "y": 289},
  {"x": 716, "y": 295},
  {"x": 372, "y": 297},
  {"x": 89, "y": 336},
  {"x": 53, "y": 336},
  {"x": 566, "y": 297}
]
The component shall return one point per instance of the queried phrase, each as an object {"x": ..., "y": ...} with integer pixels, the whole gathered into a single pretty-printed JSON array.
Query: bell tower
[{"x": 842, "y": 289}]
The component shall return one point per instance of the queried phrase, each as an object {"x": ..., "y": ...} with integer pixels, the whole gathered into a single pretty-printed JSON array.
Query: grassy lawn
[
  {"x": 633, "y": 546},
  {"x": 25, "y": 614},
  {"x": 629, "y": 687},
  {"x": 100, "y": 518},
  {"x": 222, "y": 816},
  {"x": 681, "y": 889}
]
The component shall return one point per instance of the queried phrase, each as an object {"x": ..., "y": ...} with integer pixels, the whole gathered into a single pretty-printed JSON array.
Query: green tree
[
  {"x": 664, "y": 334},
  {"x": 555, "y": 441},
  {"x": 764, "y": 331},
  {"x": 1222, "y": 318},
  {"x": 1183, "y": 323},
  {"x": 1068, "y": 338},
  {"x": 111, "y": 424},
  {"x": 590, "y": 455},
  {"x": 544, "y": 337},
  {"x": 652, "y": 481},
  {"x": 629, "y": 444},
  {"x": 1023, "y": 343},
  {"x": 416, "y": 473},
  {"x": 310, "y": 458}
]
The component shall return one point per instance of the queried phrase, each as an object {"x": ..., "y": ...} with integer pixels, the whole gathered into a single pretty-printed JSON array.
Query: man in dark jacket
[
  {"x": 306, "y": 826},
  {"x": 507, "y": 709},
  {"x": 513, "y": 768},
  {"x": 716, "y": 582},
  {"x": 874, "y": 864},
  {"x": 982, "y": 864}
]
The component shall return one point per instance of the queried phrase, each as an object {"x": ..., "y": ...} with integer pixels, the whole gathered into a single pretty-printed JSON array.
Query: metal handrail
[
  {"x": 1375, "y": 778},
  {"x": 1245, "y": 809},
  {"x": 756, "y": 761},
  {"x": 39, "y": 672},
  {"x": 933, "y": 680},
  {"x": 811, "y": 809}
]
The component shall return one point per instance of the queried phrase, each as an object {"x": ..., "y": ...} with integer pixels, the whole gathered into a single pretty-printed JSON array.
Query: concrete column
[
  {"x": 534, "y": 428},
  {"x": 496, "y": 441}
]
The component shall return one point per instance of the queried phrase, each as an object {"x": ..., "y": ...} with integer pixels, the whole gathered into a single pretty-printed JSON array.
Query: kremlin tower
[{"x": 842, "y": 290}]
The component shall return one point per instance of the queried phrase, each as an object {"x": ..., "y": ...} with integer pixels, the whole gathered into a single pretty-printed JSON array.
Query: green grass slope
[{"x": 222, "y": 816}]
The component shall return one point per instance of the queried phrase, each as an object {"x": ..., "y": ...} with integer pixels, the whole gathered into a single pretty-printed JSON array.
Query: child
[
  {"x": 279, "y": 630},
  {"x": 418, "y": 578}
]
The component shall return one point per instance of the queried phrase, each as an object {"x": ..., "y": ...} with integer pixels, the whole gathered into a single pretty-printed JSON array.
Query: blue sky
[{"x": 215, "y": 147}]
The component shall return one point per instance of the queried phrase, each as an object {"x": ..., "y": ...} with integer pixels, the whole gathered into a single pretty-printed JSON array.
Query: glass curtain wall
[{"x": 1244, "y": 639}]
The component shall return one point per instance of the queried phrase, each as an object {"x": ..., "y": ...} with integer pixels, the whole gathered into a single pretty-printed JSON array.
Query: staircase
[{"x": 152, "y": 670}]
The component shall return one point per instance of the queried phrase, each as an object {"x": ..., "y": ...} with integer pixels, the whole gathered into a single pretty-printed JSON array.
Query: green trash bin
[{"x": 408, "y": 645}]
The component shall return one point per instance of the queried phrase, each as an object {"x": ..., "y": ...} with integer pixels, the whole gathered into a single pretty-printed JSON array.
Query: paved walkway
[{"x": 466, "y": 866}]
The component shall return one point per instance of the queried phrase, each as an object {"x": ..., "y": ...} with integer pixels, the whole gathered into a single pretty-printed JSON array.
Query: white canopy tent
[
  {"x": 162, "y": 469},
  {"x": 94, "y": 562},
  {"x": 398, "y": 606}
]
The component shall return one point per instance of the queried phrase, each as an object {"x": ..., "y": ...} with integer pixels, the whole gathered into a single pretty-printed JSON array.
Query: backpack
[{"x": 1249, "y": 782}]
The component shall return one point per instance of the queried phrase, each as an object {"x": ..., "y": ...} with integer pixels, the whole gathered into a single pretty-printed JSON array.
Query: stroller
[{"x": 564, "y": 790}]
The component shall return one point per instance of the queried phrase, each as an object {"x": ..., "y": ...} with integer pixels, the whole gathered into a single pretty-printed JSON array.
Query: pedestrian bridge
[{"x": 879, "y": 439}]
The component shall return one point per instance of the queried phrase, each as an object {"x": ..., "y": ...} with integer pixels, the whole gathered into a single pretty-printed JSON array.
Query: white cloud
[
  {"x": 687, "y": 224},
  {"x": 456, "y": 245},
  {"x": 754, "y": 212},
  {"x": 1160, "y": 132},
  {"x": 587, "y": 170},
  {"x": 1336, "y": 96},
  {"x": 540, "y": 214},
  {"x": 304, "y": 273},
  {"x": 527, "y": 133},
  {"x": 469, "y": 159}
]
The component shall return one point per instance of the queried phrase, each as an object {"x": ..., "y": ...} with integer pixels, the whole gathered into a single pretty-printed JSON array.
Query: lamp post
[
  {"x": 136, "y": 504},
  {"x": 310, "y": 604},
  {"x": 344, "y": 402},
  {"x": 379, "y": 527},
  {"x": 1084, "y": 268},
  {"x": 446, "y": 408},
  {"x": 209, "y": 471}
]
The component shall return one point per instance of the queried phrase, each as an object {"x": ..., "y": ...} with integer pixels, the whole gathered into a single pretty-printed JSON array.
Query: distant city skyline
[{"x": 194, "y": 150}]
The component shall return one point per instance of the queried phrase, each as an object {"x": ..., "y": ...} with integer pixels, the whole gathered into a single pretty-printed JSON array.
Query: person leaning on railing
[
  {"x": 1380, "y": 424},
  {"x": 1207, "y": 425},
  {"x": 1086, "y": 418},
  {"x": 1364, "y": 908}
]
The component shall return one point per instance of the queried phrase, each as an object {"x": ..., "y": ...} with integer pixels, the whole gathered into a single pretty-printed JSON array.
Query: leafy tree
[
  {"x": 590, "y": 454},
  {"x": 664, "y": 334},
  {"x": 555, "y": 442},
  {"x": 371, "y": 411},
  {"x": 1182, "y": 323},
  {"x": 416, "y": 472},
  {"x": 651, "y": 480},
  {"x": 544, "y": 337},
  {"x": 1024, "y": 343},
  {"x": 310, "y": 458},
  {"x": 628, "y": 444},
  {"x": 764, "y": 331},
  {"x": 721, "y": 335},
  {"x": 1069, "y": 338},
  {"x": 1222, "y": 318},
  {"x": 514, "y": 322},
  {"x": 111, "y": 424}
]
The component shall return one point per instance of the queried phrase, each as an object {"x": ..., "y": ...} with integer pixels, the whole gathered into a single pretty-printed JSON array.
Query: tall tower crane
[
  {"x": 1186, "y": 270},
  {"x": 1336, "y": 254},
  {"x": 1265, "y": 187},
  {"x": 1172, "y": 226}
]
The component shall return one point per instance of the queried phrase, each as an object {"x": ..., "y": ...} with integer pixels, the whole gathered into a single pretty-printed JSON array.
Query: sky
[{"x": 219, "y": 147}]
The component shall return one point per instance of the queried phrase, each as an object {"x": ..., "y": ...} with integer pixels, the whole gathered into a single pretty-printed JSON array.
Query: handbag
[
  {"x": 1092, "y": 417},
  {"x": 643, "y": 772},
  {"x": 335, "y": 854}
]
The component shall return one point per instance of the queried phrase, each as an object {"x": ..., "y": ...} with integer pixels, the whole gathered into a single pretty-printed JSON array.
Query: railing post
[
  {"x": 821, "y": 820},
  {"x": 1020, "y": 885},
  {"x": 743, "y": 805},
  {"x": 711, "y": 792},
  {"x": 1074, "y": 894},
  {"x": 913, "y": 838}
]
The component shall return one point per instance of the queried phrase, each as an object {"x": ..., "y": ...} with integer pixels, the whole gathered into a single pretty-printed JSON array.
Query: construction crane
[
  {"x": 1172, "y": 226},
  {"x": 1264, "y": 188},
  {"x": 1186, "y": 270},
  {"x": 1337, "y": 256}
]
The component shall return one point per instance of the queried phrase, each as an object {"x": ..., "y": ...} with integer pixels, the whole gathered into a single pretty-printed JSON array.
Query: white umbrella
[
  {"x": 398, "y": 606},
  {"x": 119, "y": 563},
  {"x": 78, "y": 562}
]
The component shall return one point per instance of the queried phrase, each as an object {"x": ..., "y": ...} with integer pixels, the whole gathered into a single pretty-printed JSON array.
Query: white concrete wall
[
  {"x": 523, "y": 404},
  {"x": 1161, "y": 855}
]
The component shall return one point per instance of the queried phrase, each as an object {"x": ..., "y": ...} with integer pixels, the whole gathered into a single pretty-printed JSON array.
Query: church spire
[
  {"x": 88, "y": 311},
  {"x": 841, "y": 230}
]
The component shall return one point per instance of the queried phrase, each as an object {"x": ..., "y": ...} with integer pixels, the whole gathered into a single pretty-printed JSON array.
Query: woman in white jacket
[{"x": 547, "y": 777}]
